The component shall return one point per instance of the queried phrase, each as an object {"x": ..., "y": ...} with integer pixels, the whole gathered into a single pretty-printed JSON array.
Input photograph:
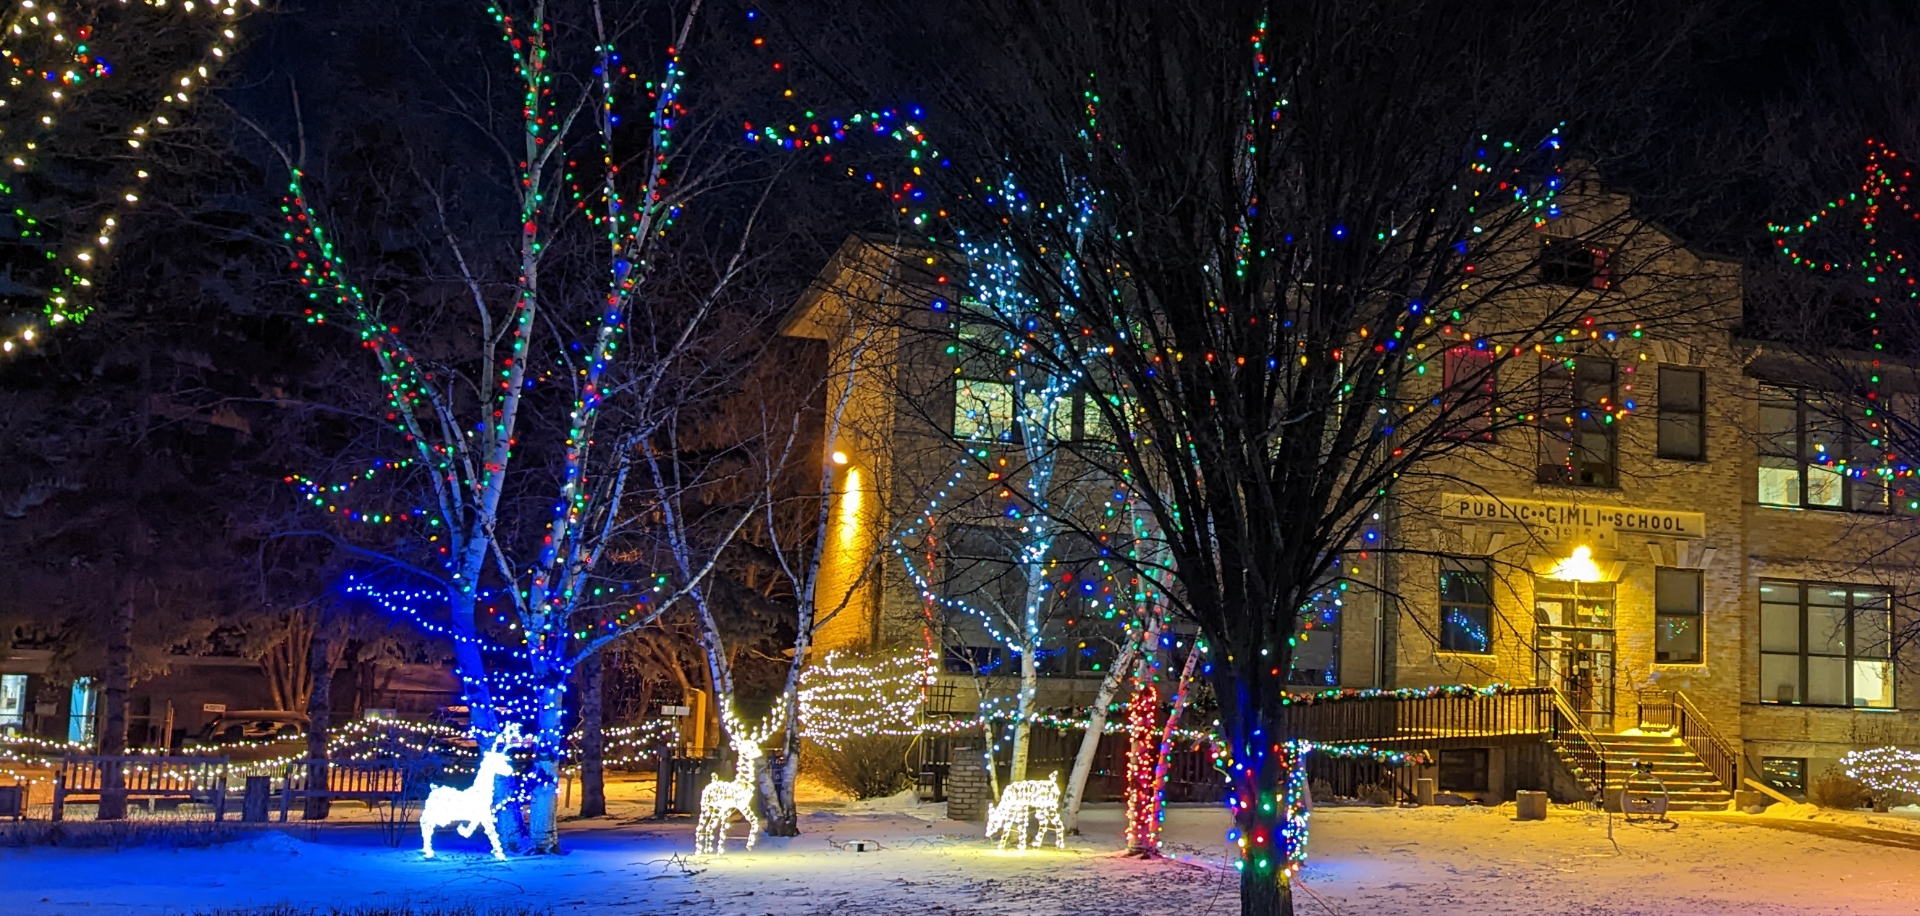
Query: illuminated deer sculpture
[
  {"x": 1031, "y": 800},
  {"x": 722, "y": 797},
  {"x": 473, "y": 806}
]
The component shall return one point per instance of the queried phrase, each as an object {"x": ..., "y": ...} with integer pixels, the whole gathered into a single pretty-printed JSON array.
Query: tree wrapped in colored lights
[
  {"x": 1318, "y": 266},
  {"x": 534, "y": 331}
]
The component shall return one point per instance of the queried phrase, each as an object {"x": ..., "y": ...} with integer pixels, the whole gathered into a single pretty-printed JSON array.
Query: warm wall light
[
  {"x": 839, "y": 457},
  {"x": 1578, "y": 567}
]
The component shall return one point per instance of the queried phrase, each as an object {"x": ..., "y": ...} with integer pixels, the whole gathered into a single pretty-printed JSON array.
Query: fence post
[
  {"x": 220, "y": 798},
  {"x": 60, "y": 794},
  {"x": 253, "y": 805}
]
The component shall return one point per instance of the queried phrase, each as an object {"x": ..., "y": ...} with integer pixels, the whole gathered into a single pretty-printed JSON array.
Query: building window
[
  {"x": 81, "y": 706},
  {"x": 982, "y": 410},
  {"x": 1805, "y": 447},
  {"x": 1466, "y": 606},
  {"x": 1578, "y": 435},
  {"x": 1683, "y": 414},
  {"x": 1571, "y": 262},
  {"x": 1786, "y": 774},
  {"x": 1470, "y": 376},
  {"x": 1677, "y": 619},
  {"x": 1316, "y": 653},
  {"x": 1825, "y": 645},
  {"x": 13, "y": 703},
  {"x": 1463, "y": 770}
]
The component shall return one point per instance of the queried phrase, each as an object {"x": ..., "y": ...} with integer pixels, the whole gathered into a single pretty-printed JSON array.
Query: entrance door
[{"x": 1574, "y": 649}]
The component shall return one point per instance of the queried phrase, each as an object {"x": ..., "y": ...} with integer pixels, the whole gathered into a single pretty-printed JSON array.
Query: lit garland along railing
[
  {"x": 359, "y": 741},
  {"x": 64, "y": 304}
]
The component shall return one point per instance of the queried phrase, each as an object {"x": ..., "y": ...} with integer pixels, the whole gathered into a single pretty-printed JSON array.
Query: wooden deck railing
[
  {"x": 1577, "y": 745},
  {"x": 1425, "y": 721}
]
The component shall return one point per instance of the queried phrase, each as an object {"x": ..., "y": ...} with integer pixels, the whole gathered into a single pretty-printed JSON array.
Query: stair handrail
[
  {"x": 1698, "y": 733},
  {"x": 1586, "y": 751}
]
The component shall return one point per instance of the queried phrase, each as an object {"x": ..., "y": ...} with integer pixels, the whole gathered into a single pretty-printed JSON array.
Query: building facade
[{"x": 1660, "y": 544}]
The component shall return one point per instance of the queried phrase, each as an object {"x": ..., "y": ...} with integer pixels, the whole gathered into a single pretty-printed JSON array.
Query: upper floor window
[
  {"x": 1571, "y": 262},
  {"x": 1682, "y": 414},
  {"x": 1579, "y": 440},
  {"x": 985, "y": 411},
  {"x": 1470, "y": 379},
  {"x": 1806, "y": 447},
  {"x": 1825, "y": 645}
]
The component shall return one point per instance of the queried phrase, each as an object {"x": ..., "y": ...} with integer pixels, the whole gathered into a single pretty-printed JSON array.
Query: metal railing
[
  {"x": 1698, "y": 733},
  {"x": 1577, "y": 745}
]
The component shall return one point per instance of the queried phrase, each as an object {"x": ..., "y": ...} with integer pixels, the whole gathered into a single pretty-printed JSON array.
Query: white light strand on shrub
[
  {"x": 844, "y": 696},
  {"x": 1884, "y": 769}
]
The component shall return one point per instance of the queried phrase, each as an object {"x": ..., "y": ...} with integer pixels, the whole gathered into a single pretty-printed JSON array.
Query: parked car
[{"x": 245, "y": 731}]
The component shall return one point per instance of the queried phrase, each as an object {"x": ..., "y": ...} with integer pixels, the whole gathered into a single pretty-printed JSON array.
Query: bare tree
[{"x": 1310, "y": 269}]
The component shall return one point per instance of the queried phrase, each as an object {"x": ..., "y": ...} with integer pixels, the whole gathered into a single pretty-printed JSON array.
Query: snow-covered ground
[{"x": 1376, "y": 862}]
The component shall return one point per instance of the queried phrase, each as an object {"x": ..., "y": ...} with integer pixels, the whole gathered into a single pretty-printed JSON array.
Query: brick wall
[{"x": 969, "y": 792}]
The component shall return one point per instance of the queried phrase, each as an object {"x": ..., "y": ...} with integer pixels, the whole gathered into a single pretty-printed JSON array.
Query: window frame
[
  {"x": 1850, "y": 656},
  {"x": 1771, "y": 456},
  {"x": 1698, "y": 414},
  {"x": 1476, "y": 764},
  {"x": 1576, "y": 413},
  {"x": 1697, "y": 616},
  {"x": 1478, "y": 400},
  {"x": 1797, "y": 787},
  {"x": 1563, "y": 268},
  {"x": 1485, "y": 576}
]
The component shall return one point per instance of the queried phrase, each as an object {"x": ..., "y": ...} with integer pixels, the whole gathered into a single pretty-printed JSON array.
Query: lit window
[
  {"x": 1811, "y": 458},
  {"x": 1785, "y": 774},
  {"x": 1466, "y": 606},
  {"x": 1578, "y": 435},
  {"x": 982, "y": 410},
  {"x": 1676, "y": 621},
  {"x": 1825, "y": 645}
]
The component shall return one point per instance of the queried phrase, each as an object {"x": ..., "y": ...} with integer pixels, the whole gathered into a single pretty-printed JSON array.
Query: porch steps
[{"x": 1691, "y": 786}]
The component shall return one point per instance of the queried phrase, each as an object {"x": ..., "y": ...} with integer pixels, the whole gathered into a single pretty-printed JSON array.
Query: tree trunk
[
  {"x": 1023, "y": 710},
  {"x": 320, "y": 661},
  {"x": 593, "y": 788},
  {"x": 1090, "y": 742},
  {"x": 113, "y": 725},
  {"x": 543, "y": 783},
  {"x": 1262, "y": 895}
]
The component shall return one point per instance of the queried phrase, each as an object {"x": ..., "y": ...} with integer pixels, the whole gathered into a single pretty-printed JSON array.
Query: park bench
[
  {"x": 191, "y": 779},
  {"x": 370, "y": 782}
]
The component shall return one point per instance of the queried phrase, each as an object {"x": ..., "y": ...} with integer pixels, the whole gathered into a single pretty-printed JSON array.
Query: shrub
[
  {"x": 864, "y": 766},
  {"x": 164, "y": 834},
  {"x": 1833, "y": 788},
  {"x": 1379, "y": 793}
]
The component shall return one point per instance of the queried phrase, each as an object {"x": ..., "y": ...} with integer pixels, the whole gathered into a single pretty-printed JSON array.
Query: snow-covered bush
[{"x": 863, "y": 766}]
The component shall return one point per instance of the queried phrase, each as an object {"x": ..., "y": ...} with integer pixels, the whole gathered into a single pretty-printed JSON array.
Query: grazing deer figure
[
  {"x": 473, "y": 806},
  {"x": 1031, "y": 800},
  {"x": 722, "y": 797}
]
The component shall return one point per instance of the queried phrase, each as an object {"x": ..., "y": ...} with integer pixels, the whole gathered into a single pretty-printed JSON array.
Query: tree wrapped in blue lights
[{"x": 545, "y": 361}]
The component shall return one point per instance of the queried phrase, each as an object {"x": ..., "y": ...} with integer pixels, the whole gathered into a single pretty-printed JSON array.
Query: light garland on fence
[{"x": 1884, "y": 769}]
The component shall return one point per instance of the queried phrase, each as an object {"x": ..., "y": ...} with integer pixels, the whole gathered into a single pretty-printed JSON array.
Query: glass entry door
[{"x": 1574, "y": 645}]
